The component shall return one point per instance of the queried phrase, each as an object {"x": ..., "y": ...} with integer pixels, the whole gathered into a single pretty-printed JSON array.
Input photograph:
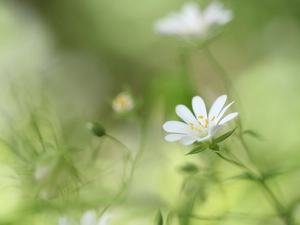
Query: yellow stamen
[
  {"x": 192, "y": 126},
  {"x": 200, "y": 124},
  {"x": 200, "y": 117},
  {"x": 198, "y": 130},
  {"x": 206, "y": 123},
  {"x": 213, "y": 118}
]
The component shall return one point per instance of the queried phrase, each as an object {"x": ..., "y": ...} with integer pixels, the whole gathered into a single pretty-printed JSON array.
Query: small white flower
[
  {"x": 44, "y": 168},
  {"x": 198, "y": 126},
  {"x": 88, "y": 218},
  {"x": 190, "y": 21},
  {"x": 122, "y": 103},
  {"x": 64, "y": 220}
]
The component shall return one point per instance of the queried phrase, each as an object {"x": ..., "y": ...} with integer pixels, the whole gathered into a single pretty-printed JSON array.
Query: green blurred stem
[
  {"x": 128, "y": 182},
  {"x": 271, "y": 196},
  {"x": 128, "y": 151},
  {"x": 230, "y": 88},
  {"x": 186, "y": 73}
]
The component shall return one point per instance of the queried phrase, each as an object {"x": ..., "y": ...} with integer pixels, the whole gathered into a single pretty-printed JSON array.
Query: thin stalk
[
  {"x": 230, "y": 88},
  {"x": 281, "y": 211},
  {"x": 134, "y": 163}
]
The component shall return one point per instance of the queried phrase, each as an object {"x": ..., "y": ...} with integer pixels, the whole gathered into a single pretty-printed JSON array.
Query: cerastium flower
[
  {"x": 88, "y": 218},
  {"x": 123, "y": 103},
  {"x": 199, "y": 126},
  {"x": 192, "y": 22}
]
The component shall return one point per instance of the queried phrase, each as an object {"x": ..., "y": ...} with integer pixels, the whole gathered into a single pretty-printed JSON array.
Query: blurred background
[{"x": 62, "y": 62}]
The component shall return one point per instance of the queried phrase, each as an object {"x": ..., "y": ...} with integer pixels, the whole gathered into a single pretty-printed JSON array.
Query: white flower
[
  {"x": 122, "y": 103},
  {"x": 190, "y": 21},
  {"x": 88, "y": 218},
  {"x": 198, "y": 126},
  {"x": 44, "y": 168}
]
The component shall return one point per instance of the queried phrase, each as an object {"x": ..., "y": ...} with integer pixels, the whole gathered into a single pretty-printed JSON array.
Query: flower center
[{"x": 202, "y": 124}]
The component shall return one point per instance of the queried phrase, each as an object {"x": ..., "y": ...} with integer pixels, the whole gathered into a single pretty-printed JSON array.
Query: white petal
[
  {"x": 104, "y": 220},
  {"x": 89, "y": 218},
  {"x": 217, "y": 107},
  {"x": 64, "y": 220},
  {"x": 188, "y": 140},
  {"x": 208, "y": 137},
  {"x": 184, "y": 113},
  {"x": 167, "y": 26},
  {"x": 222, "y": 113},
  {"x": 213, "y": 130},
  {"x": 228, "y": 118},
  {"x": 173, "y": 137},
  {"x": 216, "y": 14},
  {"x": 199, "y": 107},
  {"x": 176, "y": 127}
]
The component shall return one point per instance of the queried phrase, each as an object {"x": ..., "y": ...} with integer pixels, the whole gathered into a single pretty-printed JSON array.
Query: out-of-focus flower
[
  {"x": 123, "y": 103},
  {"x": 96, "y": 129},
  {"x": 44, "y": 168},
  {"x": 192, "y": 22},
  {"x": 88, "y": 218},
  {"x": 199, "y": 126}
]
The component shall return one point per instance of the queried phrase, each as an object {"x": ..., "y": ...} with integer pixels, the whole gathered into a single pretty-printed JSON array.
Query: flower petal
[
  {"x": 184, "y": 113},
  {"x": 216, "y": 14},
  {"x": 173, "y": 137},
  {"x": 177, "y": 127},
  {"x": 222, "y": 113},
  {"x": 104, "y": 220},
  {"x": 217, "y": 107},
  {"x": 213, "y": 130},
  {"x": 188, "y": 140},
  {"x": 88, "y": 218},
  {"x": 64, "y": 220},
  {"x": 199, "y": 107},
  {"x": 228, "y": 118}
]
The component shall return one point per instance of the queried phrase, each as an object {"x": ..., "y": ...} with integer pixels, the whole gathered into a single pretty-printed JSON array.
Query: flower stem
[
  {"x": 281, "y": 211},
  {"x": 126, "y": 183}
]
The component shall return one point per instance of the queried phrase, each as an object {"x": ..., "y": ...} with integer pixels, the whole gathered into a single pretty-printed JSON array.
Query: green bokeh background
[{"x": 79, "y": 54}]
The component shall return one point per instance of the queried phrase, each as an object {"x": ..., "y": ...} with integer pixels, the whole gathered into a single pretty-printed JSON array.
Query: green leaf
[
  {"x": 224, "y": 136},
  {"x": 243, "y": 176},
  {"x": 200, "y": 148},
  {"x": 254, "y": 134},
  {"x": 189, "y": 168},
  {"x": 158, "y": 220},
  {"x": 214, "y": 147},
  {"x": 273, "y": 173},
  {"x": 170, "y": 218}
]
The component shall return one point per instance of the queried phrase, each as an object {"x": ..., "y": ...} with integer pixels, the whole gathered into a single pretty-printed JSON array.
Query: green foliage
[
  {"x": 254, "y": 134},
  {"x": 224, "y": 136},
  {"x": 158, "y": 220},
  {"x": 214, "y": 147},
  {"x": 96, "y": 129},
  {"x": 200, "y": 148},
  {"x": 189, "y": 168}
]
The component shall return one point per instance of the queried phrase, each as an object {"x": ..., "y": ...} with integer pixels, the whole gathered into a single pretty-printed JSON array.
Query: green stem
[
  {"x": 230, "y": 87},
  {"x": 126, "y": 184},
  {"x": 281, "y": 211}
]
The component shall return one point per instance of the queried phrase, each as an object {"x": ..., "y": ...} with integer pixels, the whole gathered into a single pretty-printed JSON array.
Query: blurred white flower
[
  {"x": 198, "y": 126},
  {"x": 44, "y": 168},
  {"x": 122, "y": 103},
  {"x": 88, "y": 218},
  {"x": 191, "y": 21},
  {"x": 65, "y": 220}
]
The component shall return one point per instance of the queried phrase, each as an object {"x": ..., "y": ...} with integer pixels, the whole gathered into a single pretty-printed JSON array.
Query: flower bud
[
  {"x": 123, "y": 103},
  {"x": 96, "y": 129}
]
